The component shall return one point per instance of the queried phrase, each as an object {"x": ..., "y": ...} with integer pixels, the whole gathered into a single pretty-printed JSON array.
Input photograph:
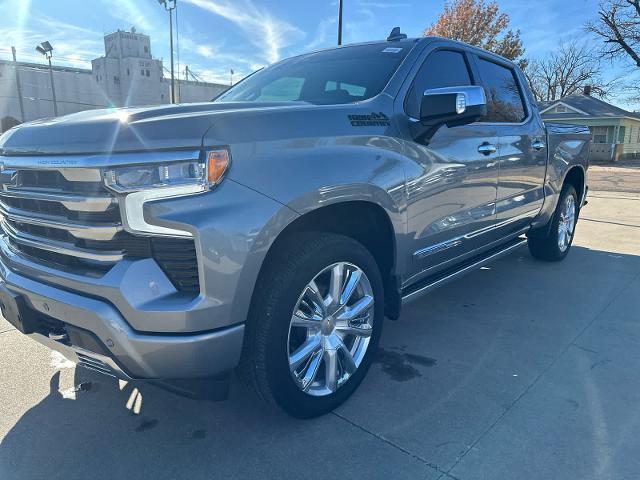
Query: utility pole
[
  {"x": 339, "y": 22},
  {"x": 15, "y": 65},
  {"x": 46, "y": 49},
  {"x": 170, "y": 6}
]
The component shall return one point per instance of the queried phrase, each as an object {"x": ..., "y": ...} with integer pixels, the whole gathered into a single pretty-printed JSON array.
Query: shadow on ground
[{"x": 451, "y": 368}]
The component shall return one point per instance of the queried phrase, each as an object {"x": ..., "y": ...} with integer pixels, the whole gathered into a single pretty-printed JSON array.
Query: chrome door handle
[
  {"x": 538, "y": 145},
  {"x": 487, "y": 149}
]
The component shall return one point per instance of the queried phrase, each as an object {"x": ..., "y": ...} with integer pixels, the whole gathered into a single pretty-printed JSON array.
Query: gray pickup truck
[{"x": 271, "y": 230}]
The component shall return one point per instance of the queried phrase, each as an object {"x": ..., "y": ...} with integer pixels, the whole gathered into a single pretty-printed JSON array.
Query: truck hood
[{"x": 128, "y": 129}]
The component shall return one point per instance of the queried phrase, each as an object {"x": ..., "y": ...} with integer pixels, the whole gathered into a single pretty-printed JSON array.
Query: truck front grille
[{"x": 67, "y": 219}]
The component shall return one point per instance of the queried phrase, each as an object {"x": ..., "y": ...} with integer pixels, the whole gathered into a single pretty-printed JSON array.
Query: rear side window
[
  {"x": 443, "y": 68},
  {"x": 504, "y": 99}
]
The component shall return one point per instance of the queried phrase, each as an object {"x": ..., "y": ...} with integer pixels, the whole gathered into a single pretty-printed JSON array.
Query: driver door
[{"x": 452, "y": 185}]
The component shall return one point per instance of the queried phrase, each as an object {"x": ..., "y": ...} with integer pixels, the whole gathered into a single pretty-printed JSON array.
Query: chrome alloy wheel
[
  {"x": 330, "y": 329},
  {"x": 567, "y": 223}
]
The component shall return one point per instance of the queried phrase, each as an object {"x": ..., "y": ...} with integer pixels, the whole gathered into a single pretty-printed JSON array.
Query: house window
[
  {"x": 148, "y": 73},
  {"x": 561, "y": 109},
  {"x": 602, "y": 134},
  {"x": 142, "y": 72}
]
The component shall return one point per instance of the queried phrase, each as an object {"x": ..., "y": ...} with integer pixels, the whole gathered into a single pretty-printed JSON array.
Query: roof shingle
[{"x": 594, "y": 107}]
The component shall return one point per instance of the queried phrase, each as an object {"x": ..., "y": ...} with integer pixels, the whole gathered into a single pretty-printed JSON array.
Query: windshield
[{"x": 343, "y": 75}]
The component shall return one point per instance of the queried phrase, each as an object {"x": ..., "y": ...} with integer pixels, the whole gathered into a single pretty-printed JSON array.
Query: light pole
[
  {"x": 339, "y": 22},
  {"x": 170, "y": 6},
  {"x": 46, "y": 49}
]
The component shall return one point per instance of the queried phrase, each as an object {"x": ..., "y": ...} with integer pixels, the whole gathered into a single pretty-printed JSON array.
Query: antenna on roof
[{"x": 396, "y": 35}]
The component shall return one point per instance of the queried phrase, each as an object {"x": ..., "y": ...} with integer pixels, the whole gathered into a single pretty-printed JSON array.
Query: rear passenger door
[{"x": 521, "y": 145}]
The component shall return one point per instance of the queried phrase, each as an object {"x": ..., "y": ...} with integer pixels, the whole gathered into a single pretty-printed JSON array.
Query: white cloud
[
  {"x": 327, "y": 29},
  {"x": 268, "y": 33},
  {"x": 130, "y": 11},
  {"x": 73, "y": 45}
]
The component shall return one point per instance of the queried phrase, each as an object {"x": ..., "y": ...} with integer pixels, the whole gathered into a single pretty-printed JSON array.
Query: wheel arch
[
  {"x": 366, "y": 222},
  {"x": 576, "y": 176}
]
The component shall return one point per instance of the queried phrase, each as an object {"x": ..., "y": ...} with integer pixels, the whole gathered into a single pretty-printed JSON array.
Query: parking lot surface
[{"x": 521, "y": 370}]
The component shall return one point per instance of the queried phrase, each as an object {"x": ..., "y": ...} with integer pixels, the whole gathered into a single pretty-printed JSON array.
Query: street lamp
[
  {"x": 46, "y": 49},
  {"x": 169, "y": 6}
]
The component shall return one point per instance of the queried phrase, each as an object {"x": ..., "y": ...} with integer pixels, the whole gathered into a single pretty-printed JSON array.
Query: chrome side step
[{"x": 439, "y": 280}]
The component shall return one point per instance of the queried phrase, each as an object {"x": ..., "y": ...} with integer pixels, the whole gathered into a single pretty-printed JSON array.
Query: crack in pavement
[
  {"x": 431, "y": 465},
  {"x": 535, "y": 381}
]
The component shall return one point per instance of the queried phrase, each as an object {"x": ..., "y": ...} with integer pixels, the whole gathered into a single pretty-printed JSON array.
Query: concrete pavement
[{"x": 521, "y": 370}]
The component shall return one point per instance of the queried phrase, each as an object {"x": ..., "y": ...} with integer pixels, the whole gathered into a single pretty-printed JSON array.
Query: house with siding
[{"x": 615, "y": 131}]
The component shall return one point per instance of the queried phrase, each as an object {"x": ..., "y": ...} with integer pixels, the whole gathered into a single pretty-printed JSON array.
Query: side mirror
[{"x": 451, "y": 106}]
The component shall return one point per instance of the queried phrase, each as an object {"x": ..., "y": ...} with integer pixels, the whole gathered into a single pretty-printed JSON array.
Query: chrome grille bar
[
  {"x": 104, "y": 231},
  {"x": 63, "y": 248},
  {"x": 74, "y": 202}
]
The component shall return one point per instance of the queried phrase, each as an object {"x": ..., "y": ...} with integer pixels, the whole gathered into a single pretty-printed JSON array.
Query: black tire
[
  {"x": 264, "y": 366},
  {"x": 547, "y": 247}
]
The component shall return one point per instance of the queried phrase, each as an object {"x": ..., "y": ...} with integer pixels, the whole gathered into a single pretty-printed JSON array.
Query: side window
[
  {"x": 504, "y": 100},
  {"x": 443, "y": 68}
]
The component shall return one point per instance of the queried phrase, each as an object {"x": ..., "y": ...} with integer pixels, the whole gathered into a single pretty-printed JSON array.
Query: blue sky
[{"x": 217, "y": 35}]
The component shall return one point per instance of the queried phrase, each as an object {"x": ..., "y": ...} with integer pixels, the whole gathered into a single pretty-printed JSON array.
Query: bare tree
[
  {"x": 619, "y": 26},
  {"x": 565, "y": 72},
  {"x": 481, "y": 24}
]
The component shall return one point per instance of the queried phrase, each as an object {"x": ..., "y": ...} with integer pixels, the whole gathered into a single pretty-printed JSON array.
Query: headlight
[{"x": 142, "y": 183}]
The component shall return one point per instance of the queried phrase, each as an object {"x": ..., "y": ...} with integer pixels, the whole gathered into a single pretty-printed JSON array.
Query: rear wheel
[
  {"x": 556, "y": 244},
  {"x": 314, "y": 324}
]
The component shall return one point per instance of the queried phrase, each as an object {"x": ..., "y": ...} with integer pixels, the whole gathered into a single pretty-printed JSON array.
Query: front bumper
[{"x": 123, "y": 352}]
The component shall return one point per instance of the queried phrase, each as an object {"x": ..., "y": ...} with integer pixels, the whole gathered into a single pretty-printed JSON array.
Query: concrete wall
[
  {"x": 191, "y": 92},
  {"x": 75, "y": 91}
]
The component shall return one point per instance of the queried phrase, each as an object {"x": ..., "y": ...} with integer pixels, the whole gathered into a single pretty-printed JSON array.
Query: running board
[{"x": 430, "y": 283}]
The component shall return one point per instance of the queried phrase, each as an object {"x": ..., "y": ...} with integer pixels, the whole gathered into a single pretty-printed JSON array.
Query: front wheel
[
  {"x": 314, "y": 324},
  {"x": 556, "y": 244}
]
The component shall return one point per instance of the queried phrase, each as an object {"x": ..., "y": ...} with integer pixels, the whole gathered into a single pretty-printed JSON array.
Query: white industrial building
[{"x": 127, "y": 75}]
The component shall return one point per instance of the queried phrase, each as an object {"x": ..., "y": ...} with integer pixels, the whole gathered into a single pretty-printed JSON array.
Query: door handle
[
  {"x": 487, "y": 149},
  {"x": 538, "y": 144}
]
